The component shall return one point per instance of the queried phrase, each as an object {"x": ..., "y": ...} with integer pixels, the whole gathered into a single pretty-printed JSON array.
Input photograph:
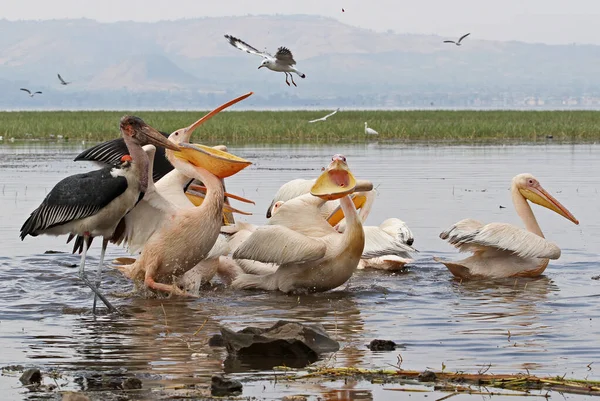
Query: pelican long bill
[
  {"x": 220, "y": 163},
  {"x": 541, "y": 197},
  {"x": 201, "y": 188},
  {"x": 197, "y": 198}
]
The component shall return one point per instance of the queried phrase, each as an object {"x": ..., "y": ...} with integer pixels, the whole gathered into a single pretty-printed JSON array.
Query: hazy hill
[{"x": 188, "y": 64}]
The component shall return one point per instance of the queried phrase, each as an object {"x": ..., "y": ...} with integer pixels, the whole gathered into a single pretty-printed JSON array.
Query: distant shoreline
[{"x": 293, "y": 127}]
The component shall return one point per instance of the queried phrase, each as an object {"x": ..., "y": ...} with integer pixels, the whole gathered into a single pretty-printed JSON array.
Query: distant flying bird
[
  {"x": 31, "y": 94},
  {"x": 324, "y": 118},
  {"x": 370, "y": 131},
  {"x": 62, "y": 81},
  {"x": 282, "y": 62},
  {"x": 342, "y": 10},
  {"x": 459, "y": 40}
]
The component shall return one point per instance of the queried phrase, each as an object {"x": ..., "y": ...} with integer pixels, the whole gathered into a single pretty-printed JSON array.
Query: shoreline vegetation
[{"x": 273, "y": 127}]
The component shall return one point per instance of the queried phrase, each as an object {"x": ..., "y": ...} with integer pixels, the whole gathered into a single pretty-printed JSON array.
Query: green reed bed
[{"x": 247, "y": 127}]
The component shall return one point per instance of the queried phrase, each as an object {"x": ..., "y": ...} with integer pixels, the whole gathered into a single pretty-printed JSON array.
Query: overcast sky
[{"x": 547, "y": 21}]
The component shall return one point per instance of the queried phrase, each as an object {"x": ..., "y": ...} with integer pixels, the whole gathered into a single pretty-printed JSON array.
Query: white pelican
[
  {"x": 30, "y": 94},
  {"x": 370, "y": 131},
  {"x": 392, "y": 236},
  {"x": 459, "y": 40},
  {"x": 282, "y": 62},
  {"x": 312, "y": 256},
  {"x": 503, "y": 250},
  {"x": 324, "y": 118},
  {"x": 164, "y": 258},
  {"x": 93, "y": 204}
]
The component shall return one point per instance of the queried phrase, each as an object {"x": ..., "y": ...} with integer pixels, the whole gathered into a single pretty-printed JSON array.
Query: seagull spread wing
[
  {"x": 37, "y": 92},
  {"x": 240, "y": 44},
  {"x": 26, "y": 90},
  {"x": 449, "y": 41},
  {"x": 464, "y": 36},
  {"x": 61, "y": 80},
  {"x": 284, "y": 56}
]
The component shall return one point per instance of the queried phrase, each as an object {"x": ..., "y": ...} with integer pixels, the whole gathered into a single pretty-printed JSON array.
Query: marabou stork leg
[
  {"x": 99, "y": 271},
  {"x": 85, "y": 279}
]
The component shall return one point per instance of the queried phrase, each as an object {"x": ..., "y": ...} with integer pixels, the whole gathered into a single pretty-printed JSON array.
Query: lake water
[{"x": 553, "y": 321}]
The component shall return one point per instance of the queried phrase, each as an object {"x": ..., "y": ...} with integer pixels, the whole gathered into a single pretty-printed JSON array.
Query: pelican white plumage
[
  {"x": 370, "y": 131},
  {"x": 163, "y": 259},
  {"x": 283, "y": 61},
  {"x": 312, "y": 256},
  {"x": 459, "y": 40},
  {"x": 324, "y": 118},
  {"x": 501, "y": 249},
  {"x": 30, "y": 93}
]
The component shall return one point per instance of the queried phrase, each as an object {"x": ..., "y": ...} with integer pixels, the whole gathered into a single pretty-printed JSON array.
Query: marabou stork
[{"x": 92, "y": 204}]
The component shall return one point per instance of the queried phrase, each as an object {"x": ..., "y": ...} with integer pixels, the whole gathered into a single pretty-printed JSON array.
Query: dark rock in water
[
  {"x": 51, "y": 252},
  {"x": 131, "y": 383},
  {"x": 427, "y": 376},
  {"x": 285, "y": 343},
  {"x": 31, "y": 376},
  {"x": 596, "y": 278},
  {"x": 549, "y": 136},
  {"x": 220, "y": 386},
  {"x": 216, "y": 341},
  {"x": 382, "y": 345}
]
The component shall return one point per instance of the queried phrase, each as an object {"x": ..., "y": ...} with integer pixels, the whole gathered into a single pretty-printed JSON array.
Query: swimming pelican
[
  {"x": 30, "y": 94},
  {"x": 459, "y": 40},
  {"x": 392, "y": 236},
  {"x": 93, "y": 204},
  {"x": 312, "y": 256},
  {"x": 504, "y": 250},
  {"x": 196, "y": 229},
  {"x": 282, "y": 62},
  {"x": 324, "y": 118},
  {"x": 370, "y": 131}
]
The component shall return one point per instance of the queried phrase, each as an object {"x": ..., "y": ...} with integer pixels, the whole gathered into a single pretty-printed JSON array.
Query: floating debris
[
  {"x": 382, "y": 345},
  {"x": 219, "y": 386}
]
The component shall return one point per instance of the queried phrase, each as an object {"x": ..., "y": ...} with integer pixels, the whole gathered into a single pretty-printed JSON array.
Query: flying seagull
[
  {"x": 324, "y": 118},
  {"x": 282, "y": 62},
  {"x": 31, "y": 94},
  {"x": 62, "y": 81},
  {"x": 459, "y": 40}
]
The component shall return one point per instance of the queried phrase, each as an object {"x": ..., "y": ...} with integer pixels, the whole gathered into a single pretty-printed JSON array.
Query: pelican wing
[
  {"x": 26, "y": 90},
  {"x": 284, "y": 56},
  {"x": 278, "y": 244},
  {"x": 240, "y": 44},
  {"x": 472, "y": 236},
  {"x": 384, "y": 242}
]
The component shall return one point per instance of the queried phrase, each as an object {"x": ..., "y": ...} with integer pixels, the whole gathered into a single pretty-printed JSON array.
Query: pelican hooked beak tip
[{"x": 543, "y": 198}]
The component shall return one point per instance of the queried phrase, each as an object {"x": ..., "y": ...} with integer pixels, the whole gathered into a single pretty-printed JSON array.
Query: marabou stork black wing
[
  {"x": 75, "y": 197},
  {"x": 110, "y": 152}
]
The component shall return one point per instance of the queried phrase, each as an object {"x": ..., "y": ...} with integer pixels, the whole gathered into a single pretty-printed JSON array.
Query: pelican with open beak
[
  {"x": 312, "y": 256},
  {"x": 504, "y": 250},
  {"x": 186, "y": 238}
]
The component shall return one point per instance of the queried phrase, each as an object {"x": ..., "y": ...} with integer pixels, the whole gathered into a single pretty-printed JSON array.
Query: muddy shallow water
[{"x": 548, "y": 326}]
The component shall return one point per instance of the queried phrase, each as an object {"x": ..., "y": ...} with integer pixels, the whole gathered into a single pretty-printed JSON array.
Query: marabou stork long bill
[{"x": 92, "y": 204}]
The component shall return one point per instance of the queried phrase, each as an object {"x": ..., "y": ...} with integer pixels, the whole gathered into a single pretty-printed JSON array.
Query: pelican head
[
  {"x": 530, "y": 188},
  {"x": 220, "y": 163},
  {"x": 336, "y": 181},
  {"x": 142, "y": 133}
]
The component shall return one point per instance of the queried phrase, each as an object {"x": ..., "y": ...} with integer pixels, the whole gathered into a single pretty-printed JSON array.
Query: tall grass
[{"x": 253, "y": 127}]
